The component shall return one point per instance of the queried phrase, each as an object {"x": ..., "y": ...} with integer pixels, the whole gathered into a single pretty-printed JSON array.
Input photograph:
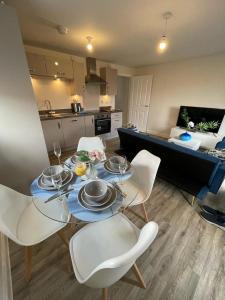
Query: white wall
[
  {"x": 23, "y": 153},
  {"x": 193, "y": 82}
]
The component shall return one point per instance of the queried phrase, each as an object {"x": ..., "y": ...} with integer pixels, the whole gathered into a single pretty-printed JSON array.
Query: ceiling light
[
  {"x": 89, "y": 44},
  {"x": 56, "y": 63},
  {"x": 163, "y": 44}
]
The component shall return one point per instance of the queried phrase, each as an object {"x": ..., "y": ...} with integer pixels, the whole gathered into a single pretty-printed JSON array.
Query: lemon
[{"x": 80, "y": 169}]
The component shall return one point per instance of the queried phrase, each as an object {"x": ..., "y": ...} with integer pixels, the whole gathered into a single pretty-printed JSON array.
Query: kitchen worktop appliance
[{"x": 76, "y": 107}]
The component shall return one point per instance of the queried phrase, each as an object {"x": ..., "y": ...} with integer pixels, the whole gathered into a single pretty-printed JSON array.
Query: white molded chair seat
[
  {"x": 90, "y": 144},
  {"x": 21, "y": 221},
  {"x": 145, "y": 166},
  {"x": 103, "y": 252}
]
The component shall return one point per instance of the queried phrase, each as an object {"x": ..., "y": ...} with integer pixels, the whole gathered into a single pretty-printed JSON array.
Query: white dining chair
[
  {"x": 91, "y": 144},
  {"x": 103, "y": 252},
  {"x": 145, "y": 166},
  {"x": 21, "y": 222}
]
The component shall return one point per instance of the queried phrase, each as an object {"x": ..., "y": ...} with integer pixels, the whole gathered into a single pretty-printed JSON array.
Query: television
[{"x": 201, "y": 115}]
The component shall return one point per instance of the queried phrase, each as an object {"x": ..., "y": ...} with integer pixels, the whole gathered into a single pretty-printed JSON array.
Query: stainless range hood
[{"x": 92, "y": 77}]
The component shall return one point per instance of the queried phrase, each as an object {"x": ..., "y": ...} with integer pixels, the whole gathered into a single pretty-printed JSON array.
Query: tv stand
[{"x": 208, "y": 140}]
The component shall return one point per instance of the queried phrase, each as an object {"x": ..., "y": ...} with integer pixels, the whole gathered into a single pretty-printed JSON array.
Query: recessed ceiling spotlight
[
  {"x": 62, "y": 29},
  {"x": 89, "y": 45},
  {"x": 163, "y": 44}
]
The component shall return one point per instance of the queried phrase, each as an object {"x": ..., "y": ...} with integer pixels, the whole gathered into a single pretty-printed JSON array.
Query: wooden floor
[{"x": 186, "y": 261}]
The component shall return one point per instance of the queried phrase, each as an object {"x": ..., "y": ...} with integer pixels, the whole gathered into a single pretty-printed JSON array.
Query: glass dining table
[{"x": 67, "y": 208}]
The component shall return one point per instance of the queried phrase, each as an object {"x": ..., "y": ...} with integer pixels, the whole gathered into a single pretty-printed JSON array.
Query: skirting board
[{"x": 6, "y": 292}]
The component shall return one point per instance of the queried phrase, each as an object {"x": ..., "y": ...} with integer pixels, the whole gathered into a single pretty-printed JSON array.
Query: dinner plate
[
  {"x": 110, "y": 170},
  {"x": 102, "y": 207},
  {"x": 99, "y": 203},
  {"x": 42, "y": 186}
]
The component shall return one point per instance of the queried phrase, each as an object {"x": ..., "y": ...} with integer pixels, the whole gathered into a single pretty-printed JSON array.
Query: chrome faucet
[{"x": 48, "y": 105}]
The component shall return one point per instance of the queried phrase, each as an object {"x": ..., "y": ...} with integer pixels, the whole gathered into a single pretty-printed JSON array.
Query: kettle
[{"x": 76, "y": 107}]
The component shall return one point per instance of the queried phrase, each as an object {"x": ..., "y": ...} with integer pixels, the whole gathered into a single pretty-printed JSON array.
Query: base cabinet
[
  {"x": 68, "y": 131},
  {"x": 89, "y": 126},
  {"x": 53, "y": 132},
  {"x": 73, "y": 130},
  {"x": 116, "y": 122}
]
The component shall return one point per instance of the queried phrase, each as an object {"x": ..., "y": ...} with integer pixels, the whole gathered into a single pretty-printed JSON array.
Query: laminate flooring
[{"x": 186, "y": 260}]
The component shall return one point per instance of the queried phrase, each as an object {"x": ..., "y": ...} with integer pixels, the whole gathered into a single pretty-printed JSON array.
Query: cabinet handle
[
  {"x": 74, "y": 121},
  {"x": 92, "y": 120},
  {"x": 59, "y": 126}
]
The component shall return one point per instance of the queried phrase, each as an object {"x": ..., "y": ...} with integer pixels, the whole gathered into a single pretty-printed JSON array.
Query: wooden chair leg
[
  {"x": 138, "y": 276},
  {"x": 135, "y": 213},
  {"x": 28, "y": 262},
  {"x": 63, "y": 238},
  {"x": 145, "y": 212},
  {"x": 139, "y": 282},
  {"x": 105, "y": 294}
]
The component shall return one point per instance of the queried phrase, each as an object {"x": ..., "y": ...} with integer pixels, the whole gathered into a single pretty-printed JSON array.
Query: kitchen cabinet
[
  {"x": 37, "y": 64},
  {"x": 89, "y": 125},
  {"x": 78, "y": 83},
  {"x": 59, "y": 67},
  {"x": 53, "y": 132},
  {"x": 110, "y": 76},
  {"x": 116, "y": 122},
  {"x": 73, "y": 129}
]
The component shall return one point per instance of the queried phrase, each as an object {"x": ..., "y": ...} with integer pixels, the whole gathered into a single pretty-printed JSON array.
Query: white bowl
[{"x": 95, "y": 190}]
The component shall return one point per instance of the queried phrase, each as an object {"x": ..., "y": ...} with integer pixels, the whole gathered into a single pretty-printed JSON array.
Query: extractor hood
[{"x": 92, "y": 77}]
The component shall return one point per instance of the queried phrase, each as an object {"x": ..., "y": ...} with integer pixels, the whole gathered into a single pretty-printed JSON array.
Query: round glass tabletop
[{"x": 68, "y": 208}]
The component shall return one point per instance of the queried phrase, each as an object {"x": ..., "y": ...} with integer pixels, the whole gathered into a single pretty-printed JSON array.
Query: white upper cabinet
[
  {"x": 110, "y": 76},
  {"x": 58, "y": 67},
  {"x": 78, "y": 83},
  {"x": 37, "y": 64}
]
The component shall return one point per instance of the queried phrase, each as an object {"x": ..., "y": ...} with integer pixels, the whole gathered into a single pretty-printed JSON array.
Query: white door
[{"x": 139, "y": 101}]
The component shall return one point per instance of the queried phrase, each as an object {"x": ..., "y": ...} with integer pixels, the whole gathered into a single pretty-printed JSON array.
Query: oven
[{"x": 102, "y": 123}]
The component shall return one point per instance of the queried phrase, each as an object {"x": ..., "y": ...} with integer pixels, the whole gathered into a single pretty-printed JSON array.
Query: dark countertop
[{"x": 67, "y": 113}]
